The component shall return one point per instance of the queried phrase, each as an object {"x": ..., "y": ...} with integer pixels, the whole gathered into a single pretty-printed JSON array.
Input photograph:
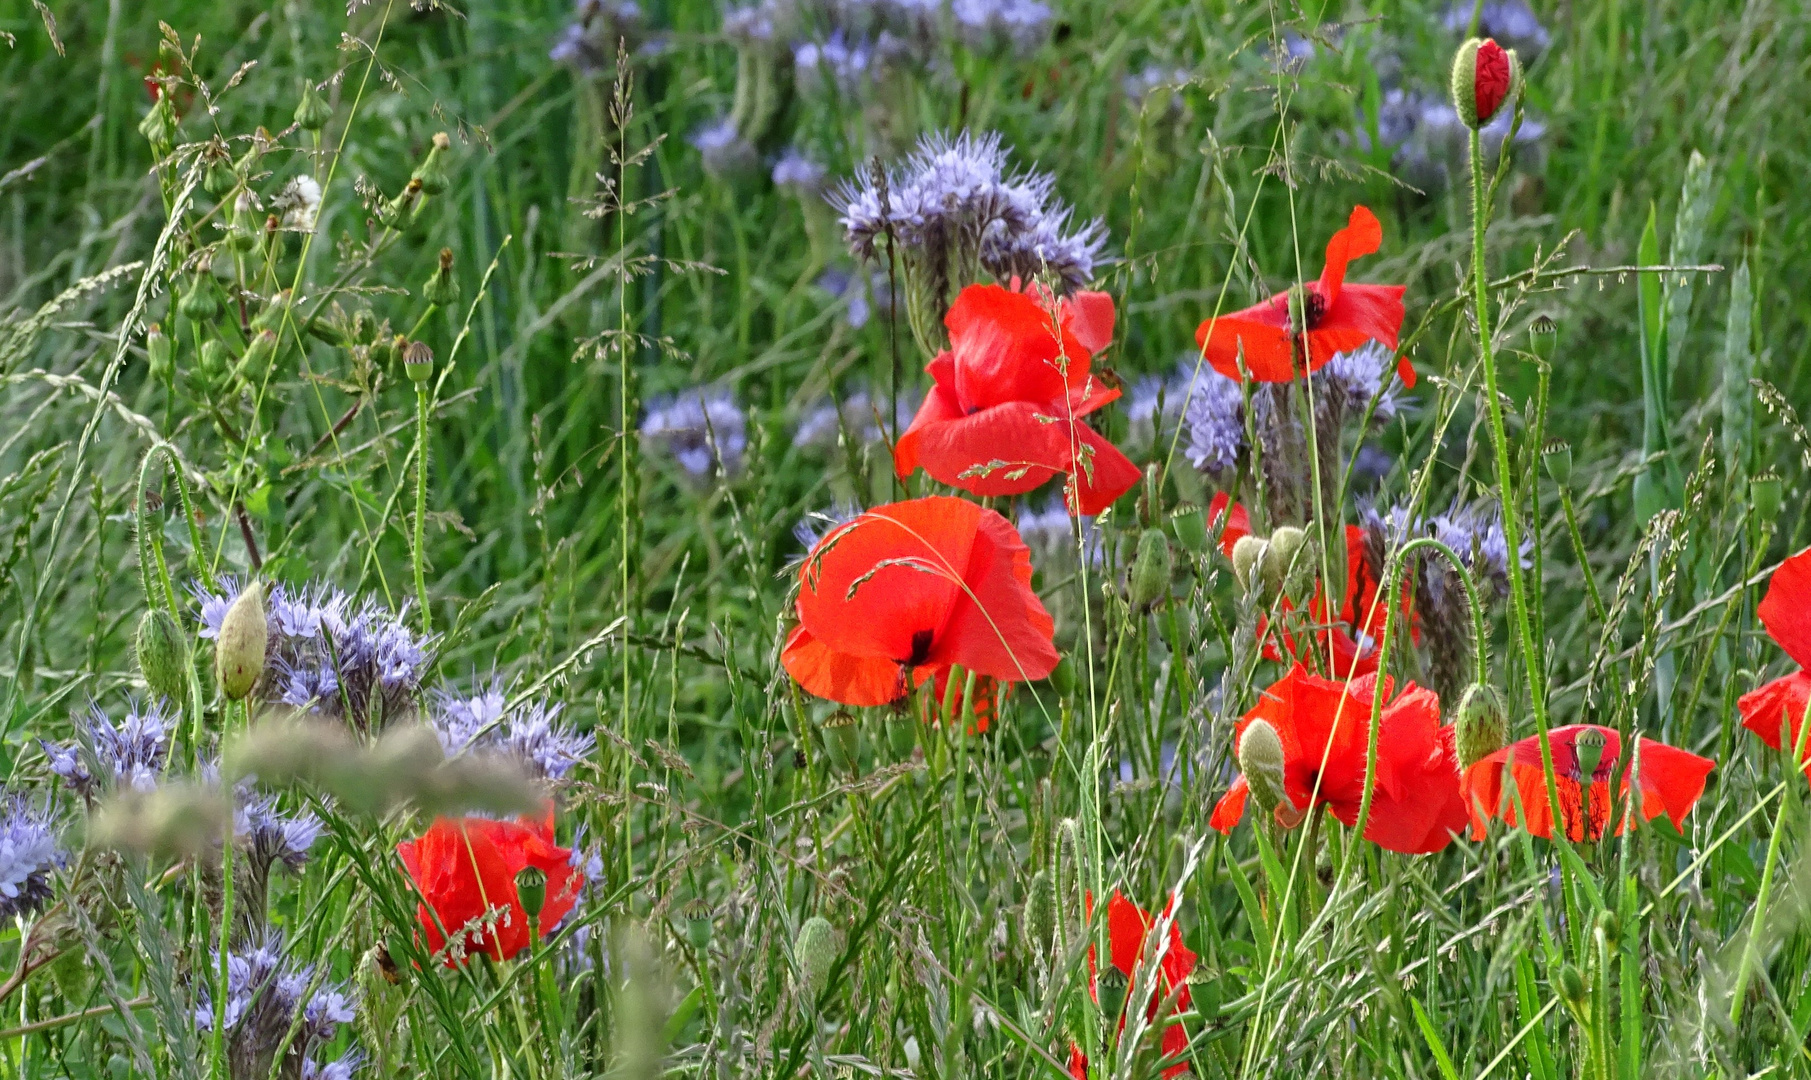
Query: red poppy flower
[
  {"x": 465, "y": 868},
  {"x": 1128, "y": 925},
  {"x": 1671, "y": 782},
  {"x": 903, "y": 592},
  {"x": 1334, "y": 317},
  {"x": 1324, "y": 726},
  {"x": 1780, "y": 705},
  {"x": 1238, "y": 521},
  {"x": 983, "y": 704},
  {"x": 1491, "y": 78},
  {"x": 1004, "y": 411}
]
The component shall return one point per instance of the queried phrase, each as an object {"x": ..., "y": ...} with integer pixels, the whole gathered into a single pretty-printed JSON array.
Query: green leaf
[
  {"x": 1528, "y": 1006},
  {"x": 1441, "y": 1057},
  {"x": 1659, "y": 488}
]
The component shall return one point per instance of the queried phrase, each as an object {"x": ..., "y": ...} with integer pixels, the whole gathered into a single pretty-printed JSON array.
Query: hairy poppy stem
[{"x": 421, "y": 505}]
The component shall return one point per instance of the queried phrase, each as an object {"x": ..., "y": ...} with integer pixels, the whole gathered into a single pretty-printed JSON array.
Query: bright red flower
[
  {"x": 1004, "y": 411},
  {"x": 1786, "y": 613},
  {"x": 466, "y": 867},
  {"x": 984, "y": 700},
  {"x": 1238, "y": 521},
  {"x": 1671, "y": 782},
  {"x": 1491, "y": 79},
  {"x": 899, "y": 594},
  {"x": 1335, "y": 317},
  {"x": 1128, "y": 925},
  {"x": 1324, "y": 726}
]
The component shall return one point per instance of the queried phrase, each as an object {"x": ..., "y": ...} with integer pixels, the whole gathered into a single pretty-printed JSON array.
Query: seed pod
[
  {"x": 442, "y": 286},
  {"x": 239, "y": 649},
  {"x": 418, "y": 361},
  {"x": 531, "y": 892},
  {"x": 199, "y": 302},
  {"x": 1247, "y": 557},
  {"x": 1766, "y": 493},
  {"x": 271, "y": 318},
  {"x": 842, "y": 739},
  {"x": 214, "y": 359},
  {"x": 162, "y": 655},
  {"x": 815, "y": 952},
  {"x": 1261, "y": 760},
  {"x": 160, "y": 353},
  {"x": 1111, "y": 985},
  {"x": 312, "y": 112},
  {"x": 1040, "y": 913},
  {"x": 1589, "y": 745},
  {"x": 245, "y": 224},
  {"x": 1279, "y": 556},
  {"x": 1482, "y": 726},
  {"x": 1557, "y": 456},
  {"x": 1189, "y": 525},
  {"x": 1485, "y": 75},
  {"x": 1150, "y": 580},
  {"x": 432, "y": 173},
  {"x": 159, "y": 126}
]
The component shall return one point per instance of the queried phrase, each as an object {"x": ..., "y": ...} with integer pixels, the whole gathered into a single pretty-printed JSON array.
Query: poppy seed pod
[
  {"x": 442, "y": 286},
  {"x": 1557, "y": 456},
  {"x": 312, "y": 112},
  {"x": 531, "y": 892},
  {"x": 1261, "y": 760},
  {"x": 432, "y": 173},
  {"x": 418, "y": 361},
  {"x": 1482, "y": 726},
  {"x": 1247, "y": 556},
  {"x": 1150, "y": 581},
  {"x": 815, "y": 952},
  {"x": 1766, "y": 492},
  {"x": 1589, "y": 747},
  {"x": 240, "y": 647},
  {"x": 1040, "y": 913},
  {"x": 1279, "y": 556},
  {"x": 1485, "y": 75},
  {"x": 1190, "y": 526},
  {"x": 842, "y": 739},
  {"x": 1111, "y": 986},
  {"x": 160, "y": 353},
  {"x": 162, "y": 657}
]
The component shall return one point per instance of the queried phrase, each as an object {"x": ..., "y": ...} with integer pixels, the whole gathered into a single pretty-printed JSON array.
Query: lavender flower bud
[{"x": 239, "y": 651}]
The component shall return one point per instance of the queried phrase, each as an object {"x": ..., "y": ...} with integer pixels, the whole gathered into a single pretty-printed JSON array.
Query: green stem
[
  {"x": 221, "y": 983},
  {"x": 1578, "y": 549},
  {"x": 1745, "y": 969},
  {"x": 421, "y": 504}
]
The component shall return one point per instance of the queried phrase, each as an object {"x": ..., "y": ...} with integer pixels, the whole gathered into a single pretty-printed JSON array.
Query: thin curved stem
[{"x": 421, "y": 504}]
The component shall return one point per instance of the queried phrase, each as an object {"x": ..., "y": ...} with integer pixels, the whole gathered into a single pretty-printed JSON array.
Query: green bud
[
  {"x": 312, "y": 112},
  {"x": 1589, "y": 745},
  {"x": 1261, "y": 760},
  {"x": 200, "y": 301},
  {"x": 1279, "y": 556},
  {"x": 1247, "y": 558},
  {"x": 698, "y": 925},
  {"x": 1062, "y": 677},
  {"x": 1482, "y": 725},
  {"x": 219, "y": 177},
  {"x": 258, "y": 355},
  {"x": 400, "y": 211},
  {"x": 163, "y": 656},
  {"x": 271, "y": 318},
  {"x": 254, "y": 154},
  {"x": 842, "y": 738},
  {"x": 1767, "y": 493},
  {"x": 239, "y": 649},
  {"x": 1557, "y": 456},
  {"x": 1111, "y": 985},
  {"x": 1570, "y": 982},
  {"x": 531, "y": 893},
  {"x": 418, "y": 361},
  {"x": 442, "y": 286},
  {"x": 1040, "y": 913},
  {"x": 388, "y": 350},
  {"x": 1070, "y": 872},
  {"x": 214, "y": 359},
  {"x": 160, "y": 353},
  {"x": 815, "y": 953},
  {"x": 432, "y": 173},
  {"x": 159, "y": 126},
  {"x": 1609, "y": 924},
  {"x": 1150, "y": 580},
  {"x": 245, "y": 223},
  {"x": 1189, "y": 525}
]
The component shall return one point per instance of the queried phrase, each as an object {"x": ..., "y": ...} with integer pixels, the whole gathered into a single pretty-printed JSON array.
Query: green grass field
[{"x": 442, "y": 427}]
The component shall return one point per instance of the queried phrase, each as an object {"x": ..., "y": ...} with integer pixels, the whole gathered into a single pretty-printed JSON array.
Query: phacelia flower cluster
[
  {"x": 130, "y": 754},
  {"x": 703, "y": 430},
  {"x": 29, "y": 855},
  {"x": 859, "y": 417},
  {"x": 265, "y": 995},
  {"x": 532, "y": 732},
  {"x": 589, "y": 42}
]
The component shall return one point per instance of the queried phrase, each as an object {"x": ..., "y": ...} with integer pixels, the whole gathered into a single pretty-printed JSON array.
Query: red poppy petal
[
  {"x": 1089, "y": 316},
  {"x": 1078, "y": 1063},
  {"x": 835, "y": 676},
  {"x": 1405, "y": 371},
  {"x": 1238, "y": 521},
  {"x": 1230, "y": 808},
  {"x": 1006, "y": 349},
  {"x": 1127, "y": 924},
  {"x": 999, "y": 627},
  {"x": 1102, "y": 475},
  {"x": 1672, "y": 780},
  {"x": 1776, "y": 706},
  {"x": 939, "y": 408},
  {"x": 875, "y": 586},
  {"x": 1263, "y": 337},
  {"x": 1786, "y": 610},
  {"x": 1003, "y": 450},
  {"x": 1362, "y": 313},
  {"x": 1361, "y": 236}
]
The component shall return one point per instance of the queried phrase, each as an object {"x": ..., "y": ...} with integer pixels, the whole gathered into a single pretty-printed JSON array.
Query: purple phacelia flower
[
  {"x": 531, "y": 733},
  {"x": 1215, "y": 418},
  {"x": 724, "y": 150},
  {"x": 29, "y": 855},
  {"x": 131, "y": 754},
  {"x": 993, "y": 25},
  {"x": 700, "y": 428},
  {"x": 264, "y": 996}
]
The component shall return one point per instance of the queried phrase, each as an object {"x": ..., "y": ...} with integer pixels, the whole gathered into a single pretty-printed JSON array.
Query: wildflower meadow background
[{"x": 904, "y": 538}]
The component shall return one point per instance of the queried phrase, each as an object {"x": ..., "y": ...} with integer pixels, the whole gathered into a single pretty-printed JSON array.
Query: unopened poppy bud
[
  {"x": 1571, "y": 984},
  {"x": 1609, "y": 924},
  {"x": 159, "y": 126},
  {"x": 442, "y": 286},
  {"x": 815, "y": 952},
  {"x": 432, "y": 173},
  {"x": 1766, "y": 493},
  {"x": 1485, "y": 75},
  {"x": 1069, "y": 871},
  {"x": 417, "y": 361},
  {"x": 842, "y": 739},
  {"x": 162, "y": 655},
  {"x": 160, "y": 354},
  {"x": 1040, "y": 913},
  {"x": 1150, "y": 581},
  {"x": 1557, "y": 456},
  {"x": 1247, "y": 557},
  {"x": 312, "y": 112},
  {"x": 1482, "y": 726},
  {"x": 531, "y": 892},
  {"x": 1279, "y": 556},
  {"x": 1112, "y": 985},
  {"x": 1062, "y": 677},
  {"x": 198, "y": 301},
  {"x": 1189, "y": 525},
  {"x": 1261, "y": 760},
  {"x": 1589, "y": 746},
  {"x": 240, "y": 646}
]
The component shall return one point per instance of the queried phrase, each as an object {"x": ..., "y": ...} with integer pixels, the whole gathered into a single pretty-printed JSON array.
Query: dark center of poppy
[
  {"x": 1306, "y": 309},
  {"x": 921, "y": 648}
]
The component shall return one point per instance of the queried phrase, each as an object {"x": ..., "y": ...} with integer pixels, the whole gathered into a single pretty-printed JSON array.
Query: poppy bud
[
  {"x": 1484, "y": 76},
  {"x": 239, "y": 648},
  {"x": 815, "y": 952},
  {"x": 1557, "y": 456},
  {"x": 160, "y": 354},
  {"x": 1482, "y": 726},
  {"x": 842, "y": 739},
  {"x": 1261, "y": 760},
  {"x": 432, "y": 174},
  {"x": 1279, "y": 556},
  {"x": 1068, "y": 869},
  {"x": 442, "y": 286},
  {"x": 1190, "y": 526},
  {"x": 531, "y": 892},
  {"x": 1571, "y": 985},
  {"x": 1040, "y": 913},
  {"x": 159, "y": 126},
  {"x": 1247, "y": 556},
  {"x": 418, "y": 361},
  {"x": 1111, "y": 986},
  {"x": 1609, "y": 924},
  {"x": 1150, "y": 581},
  {"x": 198, "y": 302},
  {"x": 162, "y": 658},
  {"x": 312, "y": 112},
  {"x": 1062, "y": 677},
  {"x": 1766, "y": 493}
]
